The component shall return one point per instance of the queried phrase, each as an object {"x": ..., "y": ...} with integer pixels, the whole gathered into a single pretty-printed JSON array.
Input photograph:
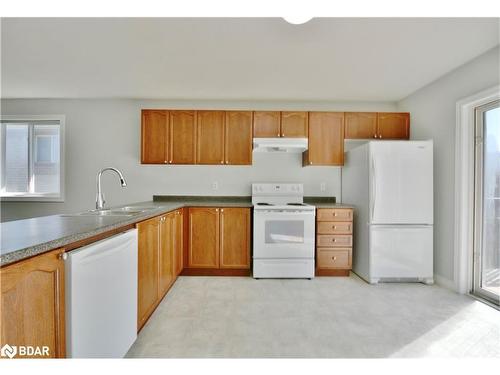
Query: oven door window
[{"x": 284, "y": 231}]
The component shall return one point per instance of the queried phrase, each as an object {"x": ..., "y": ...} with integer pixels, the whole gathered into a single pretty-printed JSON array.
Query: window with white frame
[{"x": 32, "y": 158}]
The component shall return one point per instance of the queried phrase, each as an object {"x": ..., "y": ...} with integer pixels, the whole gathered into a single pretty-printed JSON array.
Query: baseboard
[{"x": 444, "y": 282}]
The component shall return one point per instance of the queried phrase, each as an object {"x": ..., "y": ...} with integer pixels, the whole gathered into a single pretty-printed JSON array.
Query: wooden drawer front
[
  {"x": 325, "y": 240},
  {"x": 334, "y": 258},
  {"x": 334, "y": 227},
  {"x": 334, "y": 214}
]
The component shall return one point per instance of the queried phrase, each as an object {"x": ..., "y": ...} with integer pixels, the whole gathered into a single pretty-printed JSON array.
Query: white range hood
[{"x": 290, "y": 145}]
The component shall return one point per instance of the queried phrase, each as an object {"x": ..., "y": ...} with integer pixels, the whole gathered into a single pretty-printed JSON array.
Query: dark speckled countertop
[{"x": 21, "y": 239}]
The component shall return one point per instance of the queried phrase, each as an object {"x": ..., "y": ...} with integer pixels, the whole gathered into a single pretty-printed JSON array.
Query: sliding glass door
[{"x": 487, "y": 203}]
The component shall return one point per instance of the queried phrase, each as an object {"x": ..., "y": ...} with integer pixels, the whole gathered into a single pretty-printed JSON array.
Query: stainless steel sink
[{"x": 120, "y": 211}]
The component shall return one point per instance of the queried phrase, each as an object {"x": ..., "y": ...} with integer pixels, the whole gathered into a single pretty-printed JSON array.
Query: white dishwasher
[{"x": 101, "y": 298}]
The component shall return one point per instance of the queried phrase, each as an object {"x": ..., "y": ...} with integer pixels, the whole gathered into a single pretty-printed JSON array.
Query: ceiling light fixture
[{"x": 297, "y": 20}]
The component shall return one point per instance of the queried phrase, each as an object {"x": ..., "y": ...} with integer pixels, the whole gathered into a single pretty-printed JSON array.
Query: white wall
[
  {"x": 433, "y": 116},
  {"x": 106, "y": 132}
]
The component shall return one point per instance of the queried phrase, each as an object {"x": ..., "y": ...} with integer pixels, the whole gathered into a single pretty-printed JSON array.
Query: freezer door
[
  {"x": 401, "y": 187},
  {"x": 403, "y": 251}
]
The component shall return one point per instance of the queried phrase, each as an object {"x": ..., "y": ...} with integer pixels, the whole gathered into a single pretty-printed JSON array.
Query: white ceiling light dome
[{"x": 297, "y": 19}]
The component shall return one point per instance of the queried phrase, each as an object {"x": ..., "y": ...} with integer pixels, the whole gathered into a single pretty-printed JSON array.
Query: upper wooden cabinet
[
  {"x": 219, "y": 238},
  {"x": 234, "y": 238},
  {"x": 360, "y": 125},
  {"x": 266, "y": 124},
  {"x": 154, "y": 137},
  {"x": 274, "y": 124},
  {"x": 326, "y": 139},
  {"x": 238, "y": 138},
  {"x": 294, "y": 124},
  {"x": 393, "y": 125},
  {"x": 32, "y": 303},
  {"x": 210, "y": 137},
  {"x": 203, "y": 248},
  {"x": 182, "y": 137}
]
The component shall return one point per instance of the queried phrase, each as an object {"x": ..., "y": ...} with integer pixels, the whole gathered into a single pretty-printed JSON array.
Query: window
[{"x": 32, "y": 158}]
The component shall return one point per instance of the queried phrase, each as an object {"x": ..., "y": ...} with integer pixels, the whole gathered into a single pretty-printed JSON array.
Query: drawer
[
  {"x": 334, "y": 258},
  {"x": 334, "y": 214},
  {"x": 334, "y": 227},
  {"x": 333, "y": 240}
]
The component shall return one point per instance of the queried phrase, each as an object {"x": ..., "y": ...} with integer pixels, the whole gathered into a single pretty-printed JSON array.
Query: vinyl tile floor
[{"x": 327, "y": 317}]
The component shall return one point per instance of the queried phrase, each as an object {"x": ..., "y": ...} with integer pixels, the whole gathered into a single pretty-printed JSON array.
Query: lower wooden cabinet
[
  {"x": 334, "y": 241},
  {"x": 148, "y": 272},
  {"x": 32, "y": 304},
  {"x": 234, "y": 238},
  {"x": 178, "y": 235},
  {"x": 166, "y": 254},
  {"x": 219, "y": 238}
]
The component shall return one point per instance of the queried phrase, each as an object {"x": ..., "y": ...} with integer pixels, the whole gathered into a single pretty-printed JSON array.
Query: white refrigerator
[{"x": 390, "y": 185}]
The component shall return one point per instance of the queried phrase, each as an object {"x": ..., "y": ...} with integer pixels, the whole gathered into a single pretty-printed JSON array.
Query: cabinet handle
[
  {"x": 310, "y": 162},
  {"x": 375, "y": 136},
  {"x": 334, "y": 258},
  {"x": 222, "y": 161},
  {"x": 334, "y": 240},
  {"x": 334, "y": 226},
  {"x": 221, "y": 210},
  {"x": 216, "y": 210},
  {"x": 279, "y": 135},
  {"x": 227, "y": 162},
  {"x": 63, "y": 256},
  {"x": 380, "y": 136},
  {"x": 165, "y": 161},
  {"x": 170, "y": 161},
  {"x": 282, "y": 134}
]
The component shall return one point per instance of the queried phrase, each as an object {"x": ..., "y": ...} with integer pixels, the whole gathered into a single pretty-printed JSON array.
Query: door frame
[
  {"x": 465, "y": 184},
  {"x": 478, "y": 203}
]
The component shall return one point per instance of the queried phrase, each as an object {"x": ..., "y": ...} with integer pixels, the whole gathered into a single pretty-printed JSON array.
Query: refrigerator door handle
[{"x": 374, "y": 190}]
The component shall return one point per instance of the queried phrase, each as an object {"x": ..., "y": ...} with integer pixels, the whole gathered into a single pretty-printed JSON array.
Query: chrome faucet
[{"x": 99, "y": 201}]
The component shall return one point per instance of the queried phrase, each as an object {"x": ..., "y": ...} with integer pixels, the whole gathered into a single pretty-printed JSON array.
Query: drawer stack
[{"x": 334, "y": 241}]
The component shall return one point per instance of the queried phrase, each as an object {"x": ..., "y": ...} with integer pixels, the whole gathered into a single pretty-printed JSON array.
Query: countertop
[{"x": 21, "y": 239}]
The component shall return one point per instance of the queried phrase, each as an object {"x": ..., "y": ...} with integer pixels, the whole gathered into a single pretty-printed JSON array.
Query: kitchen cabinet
[
  {"x": 334, "y": 234},
  {"x": 393, "y": 125},
  {"x": 166, "y": 254},
  {"x": 234, "y": 238},
  {"x": 266, "y": 124},
  {"x": 203, "y": 248},
  {"x": 178, "y": 235},
  {"x": 148, "y": 271},
  {"x": 294, "y": 124},
  {"x": 326, "y": 139},
  {"x": 182, "y": 137},
  {"x": 360, "y": 125},
  {"x": 210, "y": 137},
  {"x": 238, "y": 138},
  {"x": 32, "y": 303},
  {"x": 219, "y": 238},
  {"x": 154, "y": 137}
]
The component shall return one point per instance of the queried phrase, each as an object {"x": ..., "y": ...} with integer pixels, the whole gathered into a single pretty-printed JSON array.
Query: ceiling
[{"x": 366, "y": 59}]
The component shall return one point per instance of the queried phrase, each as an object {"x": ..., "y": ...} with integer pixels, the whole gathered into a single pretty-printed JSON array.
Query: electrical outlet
[
  {"x": 322, "y": 186},
  {"x": 215, "y": 185}
]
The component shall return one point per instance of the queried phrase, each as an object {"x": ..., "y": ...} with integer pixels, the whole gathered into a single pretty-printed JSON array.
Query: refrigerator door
[
  {"x": 401, "y": 182},
  {"x": 403, "y": 251}
]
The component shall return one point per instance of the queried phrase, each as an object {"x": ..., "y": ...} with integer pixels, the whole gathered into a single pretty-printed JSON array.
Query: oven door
[{"x": 283, "y": 234}]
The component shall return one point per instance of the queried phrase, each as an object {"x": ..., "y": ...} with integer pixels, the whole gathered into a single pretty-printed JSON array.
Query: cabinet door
[
  {"x": 326, "y": 139},
  {"x": 294, "y": 124},
  {"x": 238, "y": 137},
  {"x": 235, "y": 238},
  {"x": 210, "y": 137},
  {"x": 33, "y": 303},
  {"x": 393, "y": 125},
  {"x": 182, "y": 137},
  {"x": 178, "y": 242},
  {"x": 360, "y": 125},
  {"x": 166, "y": 254},
  {"x": 148, "y": 238},
  {"x": 154, "y": 137},
  {"x": 266, "y": 124},
  {"x": 203, "y": 251}
]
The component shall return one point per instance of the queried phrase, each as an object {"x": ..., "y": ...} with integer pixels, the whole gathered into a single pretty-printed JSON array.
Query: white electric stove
[{"x": 283, "y": 232}]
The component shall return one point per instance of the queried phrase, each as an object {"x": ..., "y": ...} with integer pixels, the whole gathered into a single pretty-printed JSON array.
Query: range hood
[{"x": 290, "y": 145}]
